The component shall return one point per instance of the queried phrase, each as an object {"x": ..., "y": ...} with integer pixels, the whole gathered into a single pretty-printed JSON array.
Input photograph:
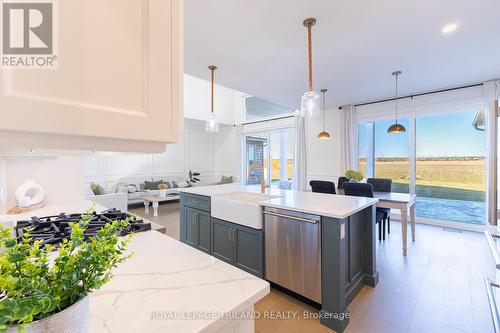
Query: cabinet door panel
[
  {"x": 191, "y": 227},
  {"x": 222, "y": 245},
  {"x": 119, "y": 66},
  {"x": 249, "y": 250},
  {"x": 203, "y": 231}
]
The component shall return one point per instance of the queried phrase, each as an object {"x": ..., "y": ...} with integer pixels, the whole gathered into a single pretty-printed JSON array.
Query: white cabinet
[{"x": 117, "y": 87}]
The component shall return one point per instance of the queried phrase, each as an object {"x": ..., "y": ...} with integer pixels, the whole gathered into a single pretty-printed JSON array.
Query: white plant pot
[{"x": 75, "y": 319}]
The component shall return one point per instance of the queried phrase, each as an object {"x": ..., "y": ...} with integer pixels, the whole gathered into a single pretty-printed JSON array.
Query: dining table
[{"x": 404, "y": 202}]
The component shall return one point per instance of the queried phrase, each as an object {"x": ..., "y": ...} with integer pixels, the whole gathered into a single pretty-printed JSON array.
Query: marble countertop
[
  {"x": 166, "y": 282},
  {"x": 335, "y": 206}
]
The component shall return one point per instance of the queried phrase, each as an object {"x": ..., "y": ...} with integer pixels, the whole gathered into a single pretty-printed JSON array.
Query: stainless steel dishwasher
[{"x": 293, "y": 251}]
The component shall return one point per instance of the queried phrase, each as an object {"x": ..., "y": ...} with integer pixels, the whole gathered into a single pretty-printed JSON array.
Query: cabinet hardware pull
[
  {"x": 234, "y": 235},
  {"x": 230, "y": 235},
  {"x": 196, "y": 202}
]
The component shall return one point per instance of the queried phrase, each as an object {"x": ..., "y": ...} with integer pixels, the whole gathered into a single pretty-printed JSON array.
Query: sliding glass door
[
  {"x": 270, "y": 155},
  {"x": 257, "y": 149},
  {"x": 384, "y": 155},
  {"x": 446, "y": 169},
  {"x": 450, "y": 168},
  {"x": 392, "y": 155}
]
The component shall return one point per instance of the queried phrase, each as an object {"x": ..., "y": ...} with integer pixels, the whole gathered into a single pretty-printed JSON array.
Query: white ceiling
[{"x": 260, "y": 46}]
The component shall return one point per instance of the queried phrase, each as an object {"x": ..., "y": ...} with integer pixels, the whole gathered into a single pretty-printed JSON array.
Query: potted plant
[
  {"x": 43, "y": 289},
  {"x": 353, "y": 175}
]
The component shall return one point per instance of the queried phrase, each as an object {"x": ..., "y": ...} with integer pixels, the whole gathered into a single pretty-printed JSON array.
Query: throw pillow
[
  {"x": 152, "y": 185},
  {"x": 96, "y": 189},
  {"x": 226, "y": 180},
  {"x": 168, "y": 184},
  {"x": 174, "y": 184},
  {"x": 132, "y": 189}
]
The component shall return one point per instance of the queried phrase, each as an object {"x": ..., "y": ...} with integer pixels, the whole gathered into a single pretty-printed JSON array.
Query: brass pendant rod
[
  {"x": 397, "y": 98},
  {"x": 212, "y": 75},
  {"x": 324, "y": 110}
]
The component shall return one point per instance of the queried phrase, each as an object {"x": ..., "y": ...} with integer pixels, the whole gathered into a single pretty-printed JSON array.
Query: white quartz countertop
[
  {"x": 329, "y": 205},
  {"x": 165, "y": 283}
]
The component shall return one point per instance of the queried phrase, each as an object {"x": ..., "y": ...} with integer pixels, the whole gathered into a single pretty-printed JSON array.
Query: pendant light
[
  {"x": 324, "y": 135},
  {"x": 211, "y": 124},
  {"x": 396, "y": 128},
  {"x": 309, "y": 107}
]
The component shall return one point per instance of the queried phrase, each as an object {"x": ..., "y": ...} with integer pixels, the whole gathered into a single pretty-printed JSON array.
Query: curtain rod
[
  {"x": 266, "y": 120},
  {"x": 417, "y": 95}
]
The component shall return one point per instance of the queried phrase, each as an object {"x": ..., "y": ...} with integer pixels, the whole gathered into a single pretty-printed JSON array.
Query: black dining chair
[
  {"x": 342, "y": 180},
  {"x": 320, "y": 186},
  {"x": 383, "y": 185},
  {"x": 365, "y": 190}
]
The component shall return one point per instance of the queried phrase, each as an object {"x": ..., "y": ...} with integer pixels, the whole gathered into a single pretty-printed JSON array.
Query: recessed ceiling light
[{"x": 449, "y": 28}]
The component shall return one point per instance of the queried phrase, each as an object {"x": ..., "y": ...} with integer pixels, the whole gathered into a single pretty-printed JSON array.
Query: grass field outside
[{"x": 461, "y": 178}]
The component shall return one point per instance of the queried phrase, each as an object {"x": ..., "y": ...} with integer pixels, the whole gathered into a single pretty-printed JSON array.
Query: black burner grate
[{"x": 53, "y": 229}]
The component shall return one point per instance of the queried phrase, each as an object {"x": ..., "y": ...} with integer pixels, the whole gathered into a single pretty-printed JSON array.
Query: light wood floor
[{"x": 438, "y": 287}]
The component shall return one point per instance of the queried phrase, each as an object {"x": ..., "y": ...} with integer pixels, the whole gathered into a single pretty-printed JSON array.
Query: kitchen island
[{"x": 317, "y": 247}]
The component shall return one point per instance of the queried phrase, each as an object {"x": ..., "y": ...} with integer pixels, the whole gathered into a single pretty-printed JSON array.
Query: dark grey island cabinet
[
  {"x": 238, "y": 245},
  {"x": 335, "y": 259},
  {"x": 195, "y": 222}
]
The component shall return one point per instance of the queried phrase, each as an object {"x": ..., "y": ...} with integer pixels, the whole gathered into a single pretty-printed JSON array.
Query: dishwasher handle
[{"x": 290, "y": 217}]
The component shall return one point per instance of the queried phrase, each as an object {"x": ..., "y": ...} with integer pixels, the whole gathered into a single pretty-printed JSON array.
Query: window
[
  {"x": 384, "y": 155},
  {"x": 449, "y": 171},
  {"x": 257, "y": 108},
  {"x": 270, "y": 155},
  {"x": 392, "y": 154},
  {"x": 450, "y": 168},
  {"x": 257, "y": 152}
]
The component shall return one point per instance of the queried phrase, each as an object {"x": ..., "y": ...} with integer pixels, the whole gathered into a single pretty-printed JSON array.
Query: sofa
[
  {"x": 108, "y": 200},
  {"x": 136, "y": 187}
]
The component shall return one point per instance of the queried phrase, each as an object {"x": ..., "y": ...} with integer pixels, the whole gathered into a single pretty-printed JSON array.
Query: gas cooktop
[{"x": 53, "y": 229}]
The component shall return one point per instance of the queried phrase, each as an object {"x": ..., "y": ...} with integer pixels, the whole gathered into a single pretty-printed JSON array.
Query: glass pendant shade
[
  {"x": 211, "y": 125},
  {"x": 396, "y": 129},
  {"x": 309, "y": 106}
]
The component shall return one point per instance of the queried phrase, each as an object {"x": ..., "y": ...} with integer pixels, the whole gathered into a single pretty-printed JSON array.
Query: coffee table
[{"x": 155, "y": 200}]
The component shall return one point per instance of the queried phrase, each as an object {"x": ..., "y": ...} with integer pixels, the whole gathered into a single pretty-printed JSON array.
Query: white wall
[
  {"x": 323, "y": 156},
  {"x": 211, "y": 154},
  {"x": 61, "y": 178},
  {"x": 228, "y": 103}
]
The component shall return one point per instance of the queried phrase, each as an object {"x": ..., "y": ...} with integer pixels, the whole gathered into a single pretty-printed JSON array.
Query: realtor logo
[{"x": 28, "y": 34}]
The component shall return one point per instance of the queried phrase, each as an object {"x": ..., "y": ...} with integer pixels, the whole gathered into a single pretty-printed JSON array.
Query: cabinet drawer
[{"x": 197, "y": 201}]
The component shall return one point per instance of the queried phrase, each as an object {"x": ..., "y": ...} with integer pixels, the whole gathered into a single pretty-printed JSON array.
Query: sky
[{"x": 437, "y": 136}]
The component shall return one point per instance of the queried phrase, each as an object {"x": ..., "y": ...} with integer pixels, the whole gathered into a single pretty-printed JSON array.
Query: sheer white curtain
[
  {"x": 349, "y": 138},
  {"x": 300, "y": 167},
  {"x": 491, "y": 97}
]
